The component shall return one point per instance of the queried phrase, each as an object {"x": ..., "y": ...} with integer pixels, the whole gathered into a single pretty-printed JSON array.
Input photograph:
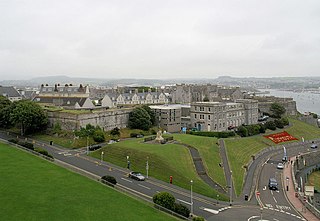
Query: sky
[{"x": 160, "y": 39}]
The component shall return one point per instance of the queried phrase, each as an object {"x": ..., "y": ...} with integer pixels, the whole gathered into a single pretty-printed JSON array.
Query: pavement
[{"x": 295, "y": 201}]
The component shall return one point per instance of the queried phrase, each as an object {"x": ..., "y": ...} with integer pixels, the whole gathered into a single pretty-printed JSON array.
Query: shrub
[
  {"x": 181, "y": 209},
  {"x": 44, "y": 152},
  {"x": 164, "y": 199},
  {"x": 279, "y": 123},
  {"x": 223, "y": 134},
  {"x": 271, "y": 125},
  {"x": 198, "y": 218},
  {"x": 262, "y": 128},
  {"x": 98, "y": 136},
  {"x": 27, "y": 145},
  {"x": 108, "y": 179},
  {"x": 285, "y": 121},
  {"x": 242, "y": 131},
  {"x": 115, "y": 131},
  {"x": 13, "y": 141}
]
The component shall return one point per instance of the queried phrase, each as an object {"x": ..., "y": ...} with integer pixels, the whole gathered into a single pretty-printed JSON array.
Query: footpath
[{"x": 295, "y": 201}]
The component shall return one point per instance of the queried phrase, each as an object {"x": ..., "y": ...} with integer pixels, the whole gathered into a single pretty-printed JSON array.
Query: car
[
  {"x": 280, "y": 166},
  {"x": 273, "y": 184},
  {"x": 314, "y": 146},
  {"x": 136, "y": 176}
]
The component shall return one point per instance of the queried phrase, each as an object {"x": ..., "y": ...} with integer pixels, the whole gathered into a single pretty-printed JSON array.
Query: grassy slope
[
  {"x": 209, "y": 152},
  {"x": 314, "y": 180},
  {"x": 240, "y": 149},
  {"x": 164, "y": 161},
  {"x": 34, "y": 189}
]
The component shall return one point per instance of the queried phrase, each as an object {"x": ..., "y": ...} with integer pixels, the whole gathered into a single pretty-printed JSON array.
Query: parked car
[
  {"x": 280, "y": 166},
  {"x": 313, "y": 146},
  {"x": 273, "y": 184},
  {"x": 136, "y": 176}
]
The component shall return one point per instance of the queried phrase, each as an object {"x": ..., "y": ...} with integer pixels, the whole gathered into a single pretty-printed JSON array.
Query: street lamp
[
  {"x": 102, "y": 156},
  {"x": 261, "y": 209},
  {"x": 287, "y": 179},
  {"x": 87, "y": 145},
  {"x": 191, "y": 203},
  {"x": 230, "y": 187},
  {"x": 128, "y": 162},
  {"x": 147, "y": 167}
]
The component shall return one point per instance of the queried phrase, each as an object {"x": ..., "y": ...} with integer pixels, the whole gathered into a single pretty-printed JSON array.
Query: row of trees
[
  {"x": 250, "y": 130},
  {"x": 27, "y": 115}
]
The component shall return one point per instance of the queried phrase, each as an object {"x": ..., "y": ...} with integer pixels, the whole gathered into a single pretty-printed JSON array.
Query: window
[
  {"x": 201, "y": 108},
  {"x": 201, "y": 116},
  {"x": 209, "y": 117},
  {"x": 209, "y": 109},
  {"x": 195, "y": 116}
]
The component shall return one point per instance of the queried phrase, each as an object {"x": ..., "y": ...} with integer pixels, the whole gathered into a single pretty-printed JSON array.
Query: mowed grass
[
  {"x": 165, "y": 160},
  {"x": 240, "y": 150},
  {"x": 314, "y": 180},
  {"x": 34, "y": 189},
  {"x": 209, "y": 152}
]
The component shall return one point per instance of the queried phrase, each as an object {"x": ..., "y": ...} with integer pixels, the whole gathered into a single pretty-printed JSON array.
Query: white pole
[
  {"x": 147, "y": 167},
  {"x": 191, "y": 210},
  {"x": 102, "y": 156},
  {"x": 87, "y": 145},
  {"x": 230, "y": 187}
]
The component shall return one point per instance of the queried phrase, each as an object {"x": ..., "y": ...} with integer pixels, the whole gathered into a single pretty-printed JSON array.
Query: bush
[
  {"x": 109, "y": 179},
  {"x": 115, "y": 131},
  {"x": 27, "y": 145},
  {"x": 242, "y": 131},
  {"x": 164, "y": 199},
  {"x": 198, "y": 218},
  {"x": 98, "y": 136},
  {"x": 181, "y": 209},
  {"x": 279, "y": 123},
  {"x": 44, "y": 152},
  {"x": 13, "y": 141},
  {"x": 285, "y": 121},
  {"x": 223, "y": 134},
  {"x": 271, "y": 125}
]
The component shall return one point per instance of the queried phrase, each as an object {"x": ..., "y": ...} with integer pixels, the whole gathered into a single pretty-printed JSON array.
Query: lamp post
[
  {"x": 191, "y": 203},
  {"x": 230, "y": 187},
  {"x": 287, "y": 179},
  {"x": 102, "y": 156},
  {"x": 128, "y": 162},
  {"x": 261, "y": 209},
  {"x": 147, "y": 167},
  {"x": 87, "y": 145}
]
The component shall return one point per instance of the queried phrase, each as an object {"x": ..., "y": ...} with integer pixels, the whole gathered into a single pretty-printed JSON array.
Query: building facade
[{"x": 220, "y": 116}]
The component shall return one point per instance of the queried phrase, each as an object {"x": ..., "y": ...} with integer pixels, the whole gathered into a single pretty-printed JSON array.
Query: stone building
[
  {"x": 168, "y": 117},
  {"x": 188, "y": 93},
  {"x": 219, "y": 116},
  {"x": 10, "y": 93},
  {"x": 264, "y": 104}
]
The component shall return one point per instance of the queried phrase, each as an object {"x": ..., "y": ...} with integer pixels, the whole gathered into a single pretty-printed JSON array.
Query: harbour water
[{"x": 306, "y": 101}]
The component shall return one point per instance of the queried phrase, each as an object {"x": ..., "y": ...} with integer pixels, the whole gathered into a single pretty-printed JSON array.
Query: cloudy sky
[{"x": 159, "y": 38}]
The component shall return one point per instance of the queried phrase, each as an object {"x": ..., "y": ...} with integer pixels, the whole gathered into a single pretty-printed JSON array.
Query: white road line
[
  {"x": 275, "y": 200},
  {"x": 126, "y": 180},
  {"x": 184, "y": 201},
  {"x": 144, "y": 186},
  {"x": 210, "y": 210}
]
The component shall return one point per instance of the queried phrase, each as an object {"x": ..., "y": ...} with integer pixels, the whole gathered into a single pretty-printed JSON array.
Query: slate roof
[{"x": 9, "y": 91}]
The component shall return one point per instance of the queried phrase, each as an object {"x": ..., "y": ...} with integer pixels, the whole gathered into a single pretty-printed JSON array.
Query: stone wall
[
  {"x": 288, "y": 103},
  {"x": 107, "y": 119}
]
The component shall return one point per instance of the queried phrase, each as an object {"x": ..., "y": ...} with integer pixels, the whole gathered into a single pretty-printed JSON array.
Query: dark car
[
  {"x": 136, "y": 176},
  {"x": 273, "y": 184}
]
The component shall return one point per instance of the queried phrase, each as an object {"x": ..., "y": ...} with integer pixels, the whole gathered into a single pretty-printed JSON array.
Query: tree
[
  {"x": 29, "y": 116},
  {"x": 277, "y": 110},
  {"x": 139, "y": 119},
  {"x": 151, "y": 114},
  {"x": 5, "y": 109},
  {"x": 242, "y": 131}
]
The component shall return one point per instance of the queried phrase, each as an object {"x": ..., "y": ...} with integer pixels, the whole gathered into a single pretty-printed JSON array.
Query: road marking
[
  {"x": 264, "y": 188},
  {"x": 144, "y": 186},
  {"x": 210, "y": 210},
  {"x": 134, "y": 191},
  {"x": 275, "y": 200},
  {"x": 184, "y": 201},
  {"x": 126, "y": 180},
  {"x": 253, "y": 217}
]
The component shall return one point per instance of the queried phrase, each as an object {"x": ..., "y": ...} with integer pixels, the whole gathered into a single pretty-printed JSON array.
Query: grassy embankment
[
  {"x": 314, "y": 180},
  {"x": 240, "y": 150},
  {"x": 34, "y": 189},
  {"x": 165, "y": 160}
]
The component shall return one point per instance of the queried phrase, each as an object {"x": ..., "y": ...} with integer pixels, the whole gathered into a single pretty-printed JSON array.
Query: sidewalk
[{"x": 296, "y": 203}]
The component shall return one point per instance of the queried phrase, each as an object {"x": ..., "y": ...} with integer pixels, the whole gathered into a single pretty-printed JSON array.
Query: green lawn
[
  {"x": 165, "y": 160},
  {"x": 240, "y": 150},
  {"x": 34, "y": 189},
  {"x": 314, "y": 180},
  {"x": 209, "y": 152}
]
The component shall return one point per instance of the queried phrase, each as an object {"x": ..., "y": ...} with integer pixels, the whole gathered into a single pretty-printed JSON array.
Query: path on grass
[
  {"x": 226, "y": 168},
  {"x": 201, "y": 171}
]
